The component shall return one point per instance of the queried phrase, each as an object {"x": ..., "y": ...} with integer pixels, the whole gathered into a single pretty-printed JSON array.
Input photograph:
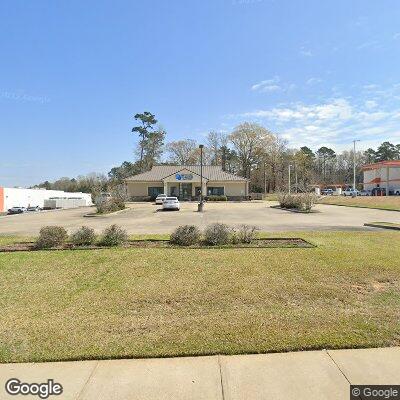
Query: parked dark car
[{"x": 16, "y": 210}]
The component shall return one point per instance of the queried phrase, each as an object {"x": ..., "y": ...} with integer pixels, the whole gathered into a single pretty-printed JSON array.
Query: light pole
[
  {"x": 290, "y": 166},
  {"x": 354, "y": 163},
  {"x": 201, "y": 203}
]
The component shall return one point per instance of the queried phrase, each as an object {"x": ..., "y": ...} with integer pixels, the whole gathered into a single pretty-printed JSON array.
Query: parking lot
[{"x": 148, "y": 218}]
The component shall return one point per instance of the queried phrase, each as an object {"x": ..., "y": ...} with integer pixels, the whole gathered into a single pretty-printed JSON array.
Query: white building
[
  {"x": 20, "y": 197},
  {"x": 384, "y": 174}
]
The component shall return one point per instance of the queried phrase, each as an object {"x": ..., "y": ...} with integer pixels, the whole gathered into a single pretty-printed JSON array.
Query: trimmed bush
[
  {"x": 244, "y": 234},
  {"x": 217, "y": 234},
  {"x": 51, "y": 236},
  {"x": 109, "y": 206},
  {"x": 307, "y": 201},
  {"x": 186, "y": 235},
  {"x": 114, "y": 235},
  {"x": 216, "y": 198},
  {"x": 299, "y": 201},
  {"x": 84, "y": 236}
]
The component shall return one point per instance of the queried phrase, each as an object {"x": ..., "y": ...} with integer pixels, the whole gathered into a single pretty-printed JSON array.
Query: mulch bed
[
  {"x": 295, "y": 210},
  {"x": 165, "y": 244}
]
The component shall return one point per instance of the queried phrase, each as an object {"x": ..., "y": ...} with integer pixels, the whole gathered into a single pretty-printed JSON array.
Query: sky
[{"x": 74, "y": 73}]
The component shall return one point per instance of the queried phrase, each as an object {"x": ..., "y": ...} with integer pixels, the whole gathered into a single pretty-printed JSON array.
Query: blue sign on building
[{"x": 183, "y": 177}]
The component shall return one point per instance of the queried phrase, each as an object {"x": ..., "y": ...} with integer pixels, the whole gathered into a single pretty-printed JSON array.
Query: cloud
[
  {"x": 273, "y": 85},
  {"x": 372, "y": 44},
  {"x": 306, "y": 52},
  {"x": 370, "y": 104},
  {"x": 313, "y": 81},
  {"x": 396, "y": 36},
  {"x": 372, "y": 115},
  {"x": 268, "y": 85}
]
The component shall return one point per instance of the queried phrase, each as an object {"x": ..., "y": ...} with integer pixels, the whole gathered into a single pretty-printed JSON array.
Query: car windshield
[
  {"x": 162, "y": 195},
  {"x": 171, "y": 198}
]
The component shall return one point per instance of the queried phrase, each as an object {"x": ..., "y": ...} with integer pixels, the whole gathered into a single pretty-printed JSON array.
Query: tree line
[{"x": 250, "y": 150}]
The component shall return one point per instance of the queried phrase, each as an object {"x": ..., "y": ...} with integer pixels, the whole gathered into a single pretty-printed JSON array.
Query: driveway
[{"x": 148, "y": 218}]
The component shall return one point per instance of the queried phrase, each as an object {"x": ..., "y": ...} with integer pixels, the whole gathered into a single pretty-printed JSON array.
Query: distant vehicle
[
  {"x": 160, "y": 198},
  {"x": 351, "y": 192},
  {"x": 33, "y": 208},
  {"x": 327, "y": 192},
  {"x": 378, "y": 191},
  {"x": 16, "y": 210},
  {"x": 365, "y": 192},
  {"x": 171, "y": 203}
]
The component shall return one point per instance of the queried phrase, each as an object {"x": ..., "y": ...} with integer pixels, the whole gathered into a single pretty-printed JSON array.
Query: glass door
[{"x": 186, "y": 191}]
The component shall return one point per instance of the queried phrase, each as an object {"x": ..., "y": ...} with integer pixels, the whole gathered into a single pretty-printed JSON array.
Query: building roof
[
  {"x": 381, "y": 164},
  {"x": 210, "y": 172}
]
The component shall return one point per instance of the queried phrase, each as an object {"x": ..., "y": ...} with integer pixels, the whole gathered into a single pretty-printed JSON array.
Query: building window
[
  {"x": 153, "y": 191},
  {"x": 215, "y": 191}
]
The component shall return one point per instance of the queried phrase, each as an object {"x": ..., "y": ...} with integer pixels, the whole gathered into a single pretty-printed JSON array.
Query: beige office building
[{"x": 184, "y": 183}]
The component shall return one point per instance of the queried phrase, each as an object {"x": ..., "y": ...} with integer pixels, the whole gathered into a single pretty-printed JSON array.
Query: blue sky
[{"x": 73, "y": 74}]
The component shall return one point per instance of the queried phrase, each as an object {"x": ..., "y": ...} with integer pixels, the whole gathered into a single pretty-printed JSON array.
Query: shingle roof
[{"x": 210, "y": 172}]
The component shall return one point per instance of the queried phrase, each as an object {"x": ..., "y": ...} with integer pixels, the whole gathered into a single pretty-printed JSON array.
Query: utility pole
[
  {"x": 289, "y": 177},
  {"x": 354, "y": 163},
  {"x": 265, "y": 179},
  {"x": 201, "y": 204}
]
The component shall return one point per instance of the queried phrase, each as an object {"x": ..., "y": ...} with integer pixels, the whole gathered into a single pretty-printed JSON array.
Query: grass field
[
  {"x": 383, "y": 203},
  {"x": 117, "y": 303}
]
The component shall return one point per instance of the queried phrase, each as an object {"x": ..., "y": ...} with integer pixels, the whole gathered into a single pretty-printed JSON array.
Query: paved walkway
[{"x": 303, "y": 375}]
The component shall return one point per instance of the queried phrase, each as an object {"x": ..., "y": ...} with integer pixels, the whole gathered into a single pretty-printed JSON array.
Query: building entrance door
[{"x": 186, "y": 191}]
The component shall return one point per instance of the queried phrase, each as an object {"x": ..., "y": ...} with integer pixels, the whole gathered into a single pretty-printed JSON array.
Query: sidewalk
[{"x": 302, "y": 375}]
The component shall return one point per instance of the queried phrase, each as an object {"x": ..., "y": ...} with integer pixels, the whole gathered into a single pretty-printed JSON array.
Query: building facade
[
  {"x": 21, "y": 197},
  {"x": 184, "y": 182},
  {"x": 384, "y": 174}
]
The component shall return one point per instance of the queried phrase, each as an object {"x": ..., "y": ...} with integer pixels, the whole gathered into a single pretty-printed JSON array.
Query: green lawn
[
  {"x": 117, "y": 303},
  {"x": 383, "y": 203}
]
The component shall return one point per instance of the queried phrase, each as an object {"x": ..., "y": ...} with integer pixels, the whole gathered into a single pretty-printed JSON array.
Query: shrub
[
  {"x": 299, "y": 201},
  {"x": 51, "y": 236},
  {"x": 307, "y": 201},
  {"x": 216, "y": 198},
  {"x": 84, "y": 236},
  {"x": 244, "y": 234},
  {"x": 114, "y": 235},
  {"x": 217, "y": 234},
  {"x": 109, "y": 206},
  {"x": 287, "y": 200},
  {"x": 185, "y": 235}
]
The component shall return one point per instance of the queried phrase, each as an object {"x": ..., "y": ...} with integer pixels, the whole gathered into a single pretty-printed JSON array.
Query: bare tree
[
  {"x": 216, "y": 141},
  {"x": 183, "y": 152},
  {"x": 249, "y": 141}
]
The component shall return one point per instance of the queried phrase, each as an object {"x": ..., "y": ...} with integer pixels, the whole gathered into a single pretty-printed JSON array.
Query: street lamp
[
  {"x": 201, "y": 203},
  {"x": 290, "y": 167},
  {"x": 354, "y": 163}
]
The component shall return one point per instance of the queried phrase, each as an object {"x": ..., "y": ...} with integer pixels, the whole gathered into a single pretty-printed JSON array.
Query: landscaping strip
[
  {"x": 165, "y": 244},
  {"x": 384, "y": 225},
  {"x": 295, "y": 210}
]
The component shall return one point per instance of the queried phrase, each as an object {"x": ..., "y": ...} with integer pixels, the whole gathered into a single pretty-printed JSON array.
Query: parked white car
[
  {"x": 171, "y": 203},
  {"x": 351, "y": 192},
  {"x": 365, "y": 192},
  {"x": 17, "y": 210},
  {"x": 160, "y": 198}
]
